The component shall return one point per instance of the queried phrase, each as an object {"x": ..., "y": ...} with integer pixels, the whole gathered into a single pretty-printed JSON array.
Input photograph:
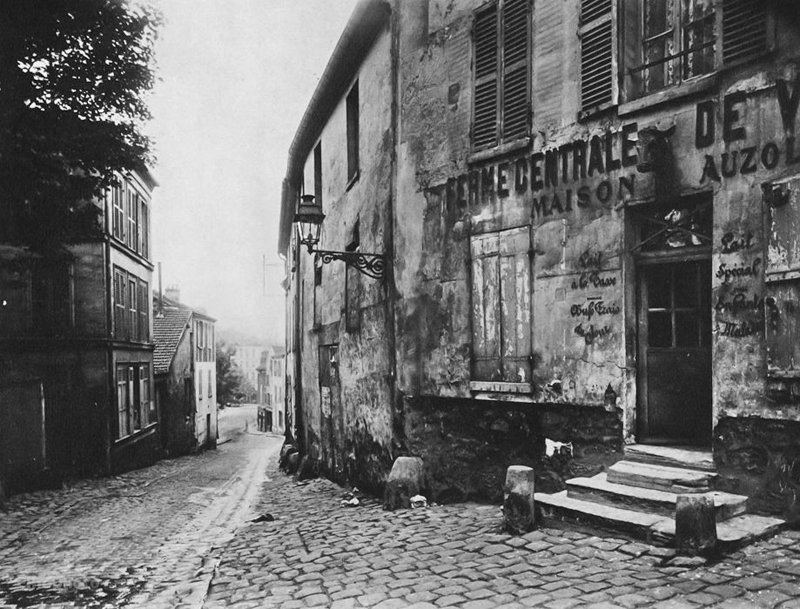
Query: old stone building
[
  {"x": 587, "y": 212},
  {"x": 76, "y": 350}
]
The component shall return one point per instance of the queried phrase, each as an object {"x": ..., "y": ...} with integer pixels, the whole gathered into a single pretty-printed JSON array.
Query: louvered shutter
[
  {"x": 485, "y": 113},
  {"x": 745, "y": 29},
  {"x": 516, "y": 51},
  {"x": 598, "y": 55}
]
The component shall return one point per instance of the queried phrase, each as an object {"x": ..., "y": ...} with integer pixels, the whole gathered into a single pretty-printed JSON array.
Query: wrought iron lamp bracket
[{"x": 372, "y": 265}]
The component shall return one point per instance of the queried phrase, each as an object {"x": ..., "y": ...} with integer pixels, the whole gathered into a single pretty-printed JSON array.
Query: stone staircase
[{"x": 636, "y": 497}]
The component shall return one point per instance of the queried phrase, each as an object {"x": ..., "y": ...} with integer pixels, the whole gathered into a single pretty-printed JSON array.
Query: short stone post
[
  {"x": 518, "y": 503},
  {"x": 406, "y": 479},
  {"x": 695, "y": 524}
]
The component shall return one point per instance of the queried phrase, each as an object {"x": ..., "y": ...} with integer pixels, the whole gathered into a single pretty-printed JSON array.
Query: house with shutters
[
  {"x": 76, "y": 349},
  {"x": 586, "y": 216},
  {"x": 184, "y": 365}
]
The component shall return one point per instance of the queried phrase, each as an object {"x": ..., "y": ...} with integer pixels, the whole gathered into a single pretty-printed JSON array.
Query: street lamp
[{"x": 308, "y": 220}]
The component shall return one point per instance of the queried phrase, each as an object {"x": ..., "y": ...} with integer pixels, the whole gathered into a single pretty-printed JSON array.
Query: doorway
[{"x": 673, "y": 268}]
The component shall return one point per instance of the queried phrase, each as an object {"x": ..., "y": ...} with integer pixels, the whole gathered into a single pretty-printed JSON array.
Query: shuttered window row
[
  {"x": 664, "y": 44},
  {"x": 501, "y": 37}
]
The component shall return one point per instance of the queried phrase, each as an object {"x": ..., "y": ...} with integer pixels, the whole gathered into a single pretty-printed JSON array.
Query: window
[
  {"x": 318, "y": 167},
  {"x": 352, "y": 134},
  {"x": 675, "y": 41},
  {"x": 135, "y": 409},
  {"x": 502, "y": 75},
  {"x": 209, "y": 384},
  {"x": 131, "y": 312},
  {"x": 130, "y": 220},
  {"x": 118, "y": 217},
  {"x": 51, "y": 297},
  {"x": 501, "y": 309},
  {"x": 598, "y": 85}
]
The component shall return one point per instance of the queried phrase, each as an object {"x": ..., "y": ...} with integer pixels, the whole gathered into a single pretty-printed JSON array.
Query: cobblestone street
[
  {"x": 146, "y": 538},
  {"x": 318, "y": 553},
  {"x": 184, "y": 534}
]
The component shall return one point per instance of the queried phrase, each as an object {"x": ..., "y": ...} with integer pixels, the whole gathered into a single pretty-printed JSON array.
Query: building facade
[
  {"x": 185, "y": 376},
  {"x": 76, "y": 346},
  {"x": 247, "y": 359},
  {"x": 588, "y": 212}
]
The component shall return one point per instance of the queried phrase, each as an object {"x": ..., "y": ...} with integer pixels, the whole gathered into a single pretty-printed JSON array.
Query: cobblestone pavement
[
  {"x": 148, "y": 538},
  {"x": 318, "y": 553}
]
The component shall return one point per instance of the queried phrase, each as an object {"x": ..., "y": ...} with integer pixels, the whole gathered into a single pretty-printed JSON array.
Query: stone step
[
  {"x": 662, "y": 503},
  {"x": 671, "y": 456},
  {"x": 661, "y": 477},
  {"x": 731, "y": 534},
  {"x": 556, "y": 508}
]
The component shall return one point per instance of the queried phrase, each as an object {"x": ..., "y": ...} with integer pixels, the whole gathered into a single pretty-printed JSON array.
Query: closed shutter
[
  {"x": 598, "y": 55},
  {"x": 516, "y": 52},
  {"x": 144, "y": 320},
  {"x": 485, "y": 113},
  {"x": 501, "y": 306},
  {"x": 744, "y": 29},
  {"x": 782, "y": 278}
]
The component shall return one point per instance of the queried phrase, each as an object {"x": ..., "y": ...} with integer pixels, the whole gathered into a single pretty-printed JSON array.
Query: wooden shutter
[
  {"x": 516, "y": 51},
  {"x": 515, "y": 304},
  {"x": 782, "y": 277},
  {"x": 745, "y": 31},
  {"x": 501, "y": 307},
  {"x": 486, "y": 364},
  {"x": 598, "y": 55},
  {"x": 485, "y": 112},
  {"x": 144, "y": 318}
]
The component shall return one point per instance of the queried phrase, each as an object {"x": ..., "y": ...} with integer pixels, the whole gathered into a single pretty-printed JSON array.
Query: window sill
[
  {"x": 137, "y": 436},
  {"x": 692, "y": 87},
  {"x": 500, "y": 387},
  {"x": 501, "y": 150},
  {"x": 783, "y": 374},
  {"x": 352, "y": 180},
  {"x": 778, "y": 276}
]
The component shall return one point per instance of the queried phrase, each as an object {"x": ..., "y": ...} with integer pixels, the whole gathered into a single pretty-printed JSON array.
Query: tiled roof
[{"x": 168, "y": 329}]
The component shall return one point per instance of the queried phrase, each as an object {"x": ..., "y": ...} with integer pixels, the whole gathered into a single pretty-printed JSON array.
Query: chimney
[{"x": 173, "y": 292}]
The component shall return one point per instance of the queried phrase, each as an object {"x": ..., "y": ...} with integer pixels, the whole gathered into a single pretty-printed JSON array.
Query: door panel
[{"x": 675, "y": 351}]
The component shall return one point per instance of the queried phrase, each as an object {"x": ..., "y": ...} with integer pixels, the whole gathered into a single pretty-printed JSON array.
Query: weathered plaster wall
[
  {"x": 350, "y": 424},
  {"x": 177, "y": 404}
]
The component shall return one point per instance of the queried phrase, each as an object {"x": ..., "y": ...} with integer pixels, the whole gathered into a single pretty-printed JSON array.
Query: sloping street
[
  {"x": 225, "y": 529},
  {"x": 146, "y": 537}
]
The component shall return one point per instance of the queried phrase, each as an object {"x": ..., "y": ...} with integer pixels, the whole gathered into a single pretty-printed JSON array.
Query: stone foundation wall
[
  {"x": 467, "y": 445},
  {"x": 760, "y": 458}
]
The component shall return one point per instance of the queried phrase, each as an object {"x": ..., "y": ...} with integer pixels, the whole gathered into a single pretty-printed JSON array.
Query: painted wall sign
[
  {"x": 747, "y": 159},
  {"x": 568, "y": 167}
]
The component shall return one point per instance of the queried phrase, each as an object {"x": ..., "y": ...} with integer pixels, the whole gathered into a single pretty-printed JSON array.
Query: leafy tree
[
  {"x": 73, "y": 79},
  {"x": 229, "y": 378}
]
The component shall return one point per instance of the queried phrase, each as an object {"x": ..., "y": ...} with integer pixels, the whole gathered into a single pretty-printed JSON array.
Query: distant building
[
  {"x": 264, "y": 397},
  {"x": 277, "y": 388},
  {"x": 248, "y": 358},
  {"x": 185, "y": 375},
  {"x": 76, "y": 355}
]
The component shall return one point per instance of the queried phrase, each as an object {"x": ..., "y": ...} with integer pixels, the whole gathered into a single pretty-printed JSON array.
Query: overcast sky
[{"x": 236, "y": 76}]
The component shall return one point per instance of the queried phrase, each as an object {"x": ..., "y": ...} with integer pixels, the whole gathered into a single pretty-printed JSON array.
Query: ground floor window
[{"x": 135, "y": 408}]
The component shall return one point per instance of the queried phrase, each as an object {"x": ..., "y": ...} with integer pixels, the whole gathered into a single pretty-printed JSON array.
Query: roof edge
[{"x": 368, "y": 19}]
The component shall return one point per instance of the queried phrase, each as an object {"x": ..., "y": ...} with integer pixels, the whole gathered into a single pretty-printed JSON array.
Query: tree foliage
[
  {"x": 73, "y": 81},
  {"x": 229, "y": 377}
]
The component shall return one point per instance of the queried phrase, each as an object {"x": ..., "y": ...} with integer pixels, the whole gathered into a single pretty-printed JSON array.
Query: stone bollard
[
  {"x": 406, "y": 479},
  {"x": 695, "y": 525},
  {"x": 518, "y": 504}
]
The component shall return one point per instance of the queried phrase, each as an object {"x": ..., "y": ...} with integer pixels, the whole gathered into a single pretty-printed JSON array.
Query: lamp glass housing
[{"x": 308, "y": 220}]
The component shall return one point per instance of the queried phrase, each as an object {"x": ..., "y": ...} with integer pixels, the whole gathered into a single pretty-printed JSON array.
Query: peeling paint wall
[{"x": 345, "y": 327}]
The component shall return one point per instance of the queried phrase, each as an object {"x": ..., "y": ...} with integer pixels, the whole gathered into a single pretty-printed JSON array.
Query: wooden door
[{"x": 675, "y": 351}]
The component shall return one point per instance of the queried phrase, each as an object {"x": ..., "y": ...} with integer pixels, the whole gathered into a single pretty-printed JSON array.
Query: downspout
[
  {"x": 108, "y": 278},
  {"x": 398, "y": 419}
]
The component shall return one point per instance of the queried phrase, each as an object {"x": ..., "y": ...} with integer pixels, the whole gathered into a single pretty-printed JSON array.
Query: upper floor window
[
  {"x": 675, "y": 41},
  {"x": 131, "y": 313},
  {"x": 352, "y": 134},
  {"x": 318, "y": 173},
  {"x": 130, "y": 219},
  {"x": 502, "y": 75}
]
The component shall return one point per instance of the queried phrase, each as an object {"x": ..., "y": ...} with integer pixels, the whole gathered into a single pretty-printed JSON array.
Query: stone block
[
  {"x": 695, "y": 524},
  {"x": 518, "y": 504},
  {"x": 406, "y": 479}
]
